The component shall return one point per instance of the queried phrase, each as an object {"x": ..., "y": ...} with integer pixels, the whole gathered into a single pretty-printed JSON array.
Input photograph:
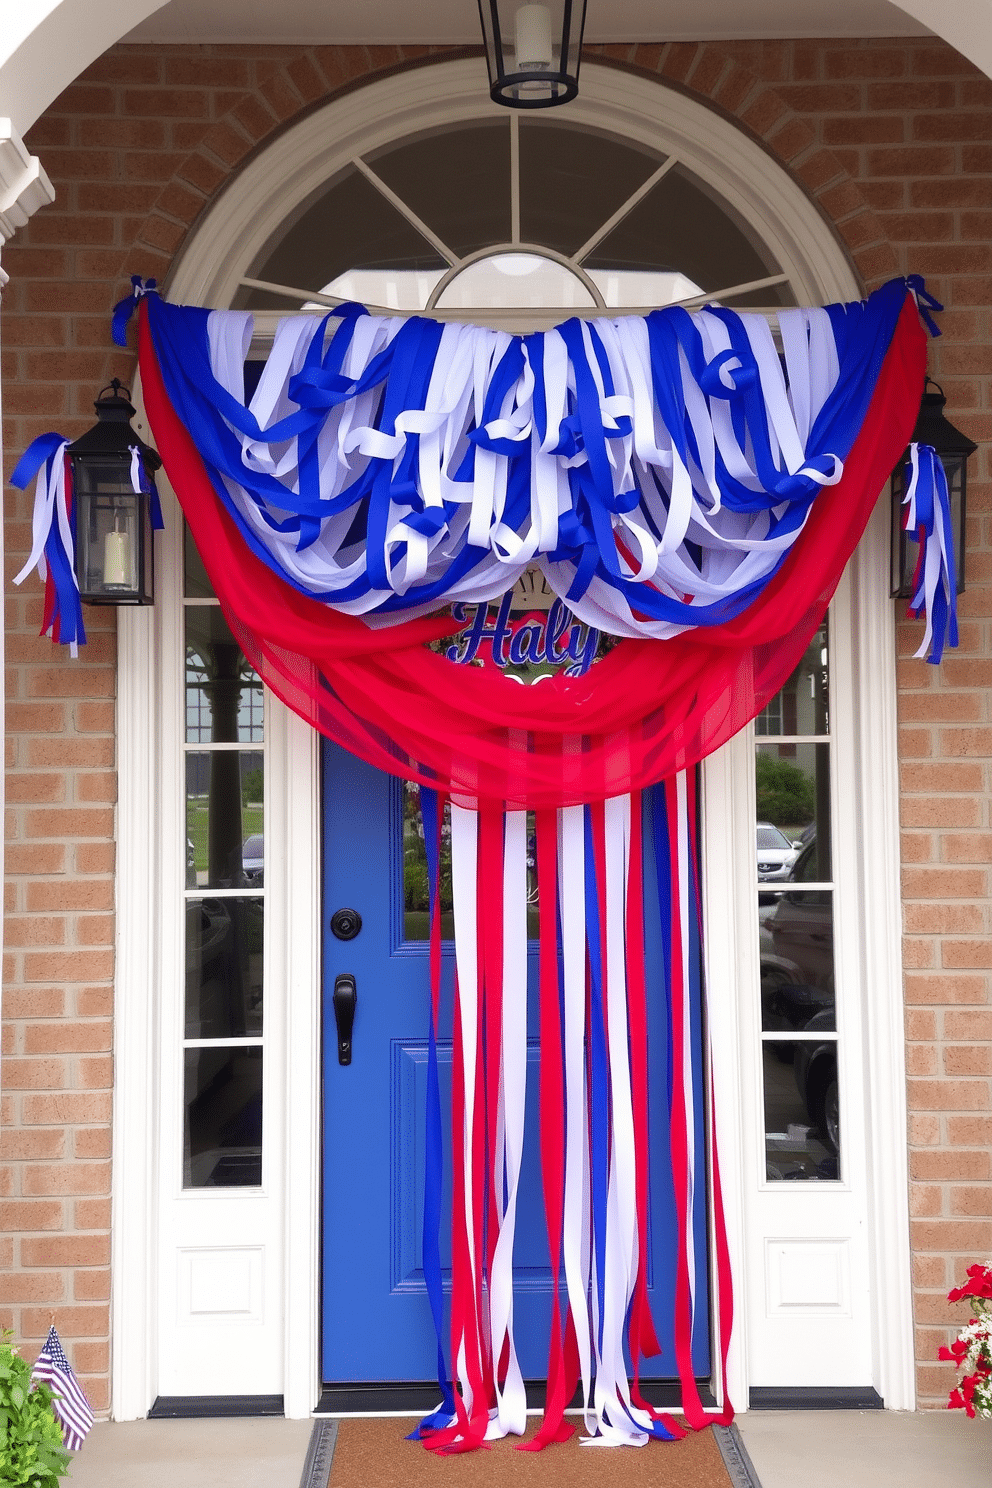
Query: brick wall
[{"x": 893, "y": 140}]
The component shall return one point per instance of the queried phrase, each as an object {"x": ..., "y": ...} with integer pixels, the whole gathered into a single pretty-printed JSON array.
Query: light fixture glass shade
[
  {"x": 115, "y": 562},
  {"x": 114, "y": 549},
  {"x": 532, "y": 50},
  {"x": 953, "y": 450}
]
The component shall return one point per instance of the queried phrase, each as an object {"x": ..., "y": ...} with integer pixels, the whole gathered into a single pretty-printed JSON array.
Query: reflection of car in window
[
  {"x": 253, "y": 858},
  {"x": 776, "y": 854},
  {"x": 797, "y": 992}
]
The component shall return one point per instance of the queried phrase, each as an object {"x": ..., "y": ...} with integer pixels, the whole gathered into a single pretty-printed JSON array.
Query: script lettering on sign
[{"x": 530, "y": 634}]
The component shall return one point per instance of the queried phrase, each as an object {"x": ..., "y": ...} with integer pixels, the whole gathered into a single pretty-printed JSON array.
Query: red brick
[
  {"x": 857, "y": 62},
  {"x": 911, "y": 161},
  {"x": 191, "y": 68},
  {"x": 966, "y": 742},
  {"x": 35, "y": 788},
  {"x": 928, "y": 988},
  {"x": 949, "y": 1167},
  {"x": 33, "y": 1002},
  {"x": 871, "y": 129},
  {"x": 67, "y": 822},
  {"x": 65, "y": 1108},
  {"x": 74, "y": 1322},
  {"x": 940, "y": 811},
  {"x": 68, "y": 966},
  {"x": 34, "y": 1074},
  {"x": 969, "y": 1131},
  {"x": 77, "y": 1037},
  {"x": 91, "y": 1214},
  {"x": 953, "y": 125},
  {"x": 96, "y": 1073},
  {"x": 94, "y": 1002},
  {"x": 951, "y": 1235},
  {"x": 948, "y": 919},
  {"x": 941, "y": 776},
  {"x": 92, "y": 1141},
  {"x": 34, "y": 930},
  {"x": 67, "y": 1178},
  {"x": 968, "y": 1059},
  {"x": 920, "y": 227},
  {"x": 39, "y": 1286},
  {"x": 970, "y": 1025},
  {"x": 30, "y": 1214},
  {"x": 40, "y": 1142},
  {"x": 70, "y": 894},
  {"x": 972, "y": 1201}
]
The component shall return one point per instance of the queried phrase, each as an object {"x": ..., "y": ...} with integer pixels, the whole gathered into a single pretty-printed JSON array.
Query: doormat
[{"x": 373, "y": 1453}]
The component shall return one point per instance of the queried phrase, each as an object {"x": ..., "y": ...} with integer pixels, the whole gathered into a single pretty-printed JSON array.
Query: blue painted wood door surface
[{"x": 376, "y": 1317}]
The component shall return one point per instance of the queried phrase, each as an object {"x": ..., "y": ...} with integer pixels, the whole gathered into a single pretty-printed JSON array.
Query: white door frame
[{"x": 219, "y": 252}]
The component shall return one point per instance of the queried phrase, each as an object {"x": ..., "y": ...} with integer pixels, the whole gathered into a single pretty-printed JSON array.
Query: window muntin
[
  {"x": 798, "y": 1013},
  {"x": 636, "y": 226}
]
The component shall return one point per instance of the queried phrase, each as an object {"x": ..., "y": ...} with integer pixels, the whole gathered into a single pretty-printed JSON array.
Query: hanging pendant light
[{"x": 532, "y": 51}]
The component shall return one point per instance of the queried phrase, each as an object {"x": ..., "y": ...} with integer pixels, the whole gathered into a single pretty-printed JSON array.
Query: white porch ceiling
[{"x": 456, "y": 22}]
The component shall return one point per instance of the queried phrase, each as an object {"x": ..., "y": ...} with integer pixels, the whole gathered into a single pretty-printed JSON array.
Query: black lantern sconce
[
  {"x": 114, "y": 550},
  {"x": 953, "y": 449},
  {"x": 532, "y": 51}
]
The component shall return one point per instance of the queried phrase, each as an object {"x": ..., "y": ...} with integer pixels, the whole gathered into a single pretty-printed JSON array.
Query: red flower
[{"x": 979, "y": 1285}]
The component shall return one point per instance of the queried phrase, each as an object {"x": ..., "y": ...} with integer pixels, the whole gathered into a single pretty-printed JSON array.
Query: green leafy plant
[
  {"x": 785, "y": 795},
  {"x": 31, "y": 1450}
]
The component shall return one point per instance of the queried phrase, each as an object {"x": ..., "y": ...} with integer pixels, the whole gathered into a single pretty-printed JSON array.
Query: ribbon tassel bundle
[{"x": 593, "y": 1093}]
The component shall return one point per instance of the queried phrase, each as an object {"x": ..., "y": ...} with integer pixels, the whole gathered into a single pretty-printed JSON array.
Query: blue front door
[{"x": 376, "y": 1317}]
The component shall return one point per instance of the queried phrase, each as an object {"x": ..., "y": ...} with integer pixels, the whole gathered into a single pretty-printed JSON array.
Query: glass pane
[
  {"x": 222, "y": 1139},
  {"x": 792, "y": 785},
  {"x": 349, "y": 225},
  {"x": 572, "y": 181},
  {"x": 224, "y": 967},
  {"x": 515, "y": 281},
  {"x": 682, "y": 227},
  {"x": 796, "y": 940},
  {"x": 196, "y": 585},
  {"x": 802, "y": 1125},
  {"x": 457, "y": 182},
  {"x": 802, "y": 705},
  {"x": 632, "y": 289},
  {"x": 224, "y": 819},
  {"x": 223, "y": 691},
  {"x": 416, "y": 896}
]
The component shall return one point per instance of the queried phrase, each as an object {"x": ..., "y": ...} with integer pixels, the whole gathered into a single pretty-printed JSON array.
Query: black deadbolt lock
[{"x": 346, "y": 923}]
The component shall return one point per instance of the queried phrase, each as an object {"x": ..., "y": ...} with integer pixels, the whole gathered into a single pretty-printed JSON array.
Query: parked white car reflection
[{"x": 776, "y": 854}]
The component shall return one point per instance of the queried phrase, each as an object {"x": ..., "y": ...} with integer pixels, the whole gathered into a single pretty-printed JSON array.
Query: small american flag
[{"x": 70, "y": 1405}]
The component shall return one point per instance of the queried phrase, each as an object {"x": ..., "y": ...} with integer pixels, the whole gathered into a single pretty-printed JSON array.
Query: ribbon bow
[{"x": 125, "y": 308}]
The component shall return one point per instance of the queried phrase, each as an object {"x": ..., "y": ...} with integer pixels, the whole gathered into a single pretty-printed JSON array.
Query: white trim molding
[{"x": 24, "y": 186}]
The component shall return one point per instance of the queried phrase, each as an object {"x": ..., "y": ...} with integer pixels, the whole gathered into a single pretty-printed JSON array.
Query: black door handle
[{"x": 345, "y": 1000}]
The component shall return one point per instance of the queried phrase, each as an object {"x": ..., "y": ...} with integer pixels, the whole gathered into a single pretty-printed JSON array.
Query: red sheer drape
[{"x": 648, "y": 709}]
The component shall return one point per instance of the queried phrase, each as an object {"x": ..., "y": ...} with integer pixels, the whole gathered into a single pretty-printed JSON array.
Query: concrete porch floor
[{"x": 789, "y": 1449}]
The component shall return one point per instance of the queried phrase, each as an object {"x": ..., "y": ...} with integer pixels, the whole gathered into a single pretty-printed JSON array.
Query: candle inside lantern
[
  {"x": 532, "y": 38},
  {"x": 117, "y": 559}
]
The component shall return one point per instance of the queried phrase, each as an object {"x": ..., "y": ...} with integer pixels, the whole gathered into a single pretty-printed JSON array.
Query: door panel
[{"x": 376, "y": 1317}]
